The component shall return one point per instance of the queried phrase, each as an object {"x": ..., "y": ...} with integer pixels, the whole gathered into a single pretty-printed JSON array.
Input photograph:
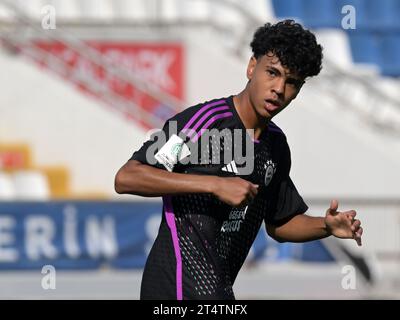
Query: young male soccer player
[{"x": 214, "y": 207}]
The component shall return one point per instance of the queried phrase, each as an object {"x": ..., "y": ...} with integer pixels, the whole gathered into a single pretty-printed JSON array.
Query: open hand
[{"x": 343, "y": 224}]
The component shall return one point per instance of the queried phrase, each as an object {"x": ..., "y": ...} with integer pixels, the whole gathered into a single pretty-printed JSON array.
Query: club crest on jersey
[{"x": 270, "y": 169}]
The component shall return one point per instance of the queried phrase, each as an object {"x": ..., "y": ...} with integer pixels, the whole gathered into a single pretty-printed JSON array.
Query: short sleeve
[
  {"x": 168, "y": 148},
  {"x": 147, "y": 153},
  {"x": 283, "y": 198}
]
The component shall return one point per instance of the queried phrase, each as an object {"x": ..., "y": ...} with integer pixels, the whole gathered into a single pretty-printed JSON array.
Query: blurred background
[{"x": 82, "y": 83}]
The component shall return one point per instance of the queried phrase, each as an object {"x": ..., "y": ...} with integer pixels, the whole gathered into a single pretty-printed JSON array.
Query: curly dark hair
[{"x": 296, "y": 47}]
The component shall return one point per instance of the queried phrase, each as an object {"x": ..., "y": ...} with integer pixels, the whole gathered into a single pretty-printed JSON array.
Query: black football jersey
[{"x": 202, "y": 242}]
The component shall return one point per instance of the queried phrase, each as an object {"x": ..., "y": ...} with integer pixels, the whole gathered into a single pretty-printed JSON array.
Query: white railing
[
  {"x": 232, "y": 19},
  {"x": 21, "y": 39}
]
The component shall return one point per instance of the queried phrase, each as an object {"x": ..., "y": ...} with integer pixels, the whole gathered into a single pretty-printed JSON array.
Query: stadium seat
[
  {"x": 32, "y": 8},
  {"x": 224, "y": 16},
  {"x": 169, "y": 9},
  {"x": 31, "y": 185},
  {"x": 321, "y": 14},
  {"x": 195, "y": 10},
  {"x": 383, "y": 15},
  {"x": 58, "y": 179},
  {"x": 97, "y": 9},
  {"x": 6, "y": 14},
  {"x": 7, "y": 187},
  {"x": 312, "y": 13},
  {"x": 370, "y": 14},
  {"x": 68, "y": 10},
  {"x": 130, "y": 9},
  {"x": 15, "y": 156},
  {"x": 390, "y": 54},
  {"x": 288, "y": 8},
  {"x": 365, "y": 46},
  {"x": 260, "y": 8}
]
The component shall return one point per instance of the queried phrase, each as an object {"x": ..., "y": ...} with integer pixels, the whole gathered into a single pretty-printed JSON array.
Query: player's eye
[
  {"x": 294, "y": 82},
  {"x": 272, "y": 73}
]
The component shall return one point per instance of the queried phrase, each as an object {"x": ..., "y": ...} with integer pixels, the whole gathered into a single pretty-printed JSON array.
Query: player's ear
[{"x": 250, "y": 67}]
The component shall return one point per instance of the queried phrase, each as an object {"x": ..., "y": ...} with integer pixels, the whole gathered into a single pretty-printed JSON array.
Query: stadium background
[{"x": 80, "y": 93}]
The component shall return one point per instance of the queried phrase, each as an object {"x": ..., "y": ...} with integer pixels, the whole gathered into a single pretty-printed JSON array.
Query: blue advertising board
[{"x": 103, "y": 234}]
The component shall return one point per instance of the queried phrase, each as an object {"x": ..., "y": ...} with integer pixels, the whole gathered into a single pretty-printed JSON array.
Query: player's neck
[{"x": 248, "y": 115}]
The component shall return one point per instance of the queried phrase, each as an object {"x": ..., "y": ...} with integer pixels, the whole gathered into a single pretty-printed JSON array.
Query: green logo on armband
[{"x": 176, "y": 149}]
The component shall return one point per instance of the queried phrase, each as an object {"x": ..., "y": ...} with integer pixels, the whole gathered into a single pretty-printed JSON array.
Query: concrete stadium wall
[
  {"x": 62, "y": 126},
  {"x": 333, "y": 156}
]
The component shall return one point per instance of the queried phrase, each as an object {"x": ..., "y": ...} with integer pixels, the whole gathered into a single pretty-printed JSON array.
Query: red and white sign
[{"x": 160, "y": 64}]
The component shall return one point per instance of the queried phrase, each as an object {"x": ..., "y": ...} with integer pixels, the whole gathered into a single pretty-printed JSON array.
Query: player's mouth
[{"x": 272, "y": 105}]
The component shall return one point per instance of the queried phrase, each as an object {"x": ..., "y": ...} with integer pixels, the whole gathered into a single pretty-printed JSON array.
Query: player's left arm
[{"x": 302, "y": 227}]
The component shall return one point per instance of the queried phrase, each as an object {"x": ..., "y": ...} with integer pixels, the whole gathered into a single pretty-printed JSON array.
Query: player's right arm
[{"x": 141, "y": 179}]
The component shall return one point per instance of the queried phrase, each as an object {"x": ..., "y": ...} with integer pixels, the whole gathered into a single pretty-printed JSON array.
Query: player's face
[{"x": 272, "y": 87}]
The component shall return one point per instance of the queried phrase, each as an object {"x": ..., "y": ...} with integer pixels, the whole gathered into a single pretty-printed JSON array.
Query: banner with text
[{"x": 91, "y": 235}]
